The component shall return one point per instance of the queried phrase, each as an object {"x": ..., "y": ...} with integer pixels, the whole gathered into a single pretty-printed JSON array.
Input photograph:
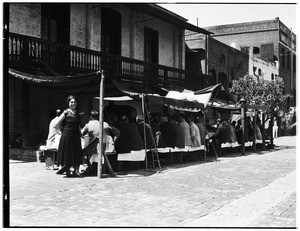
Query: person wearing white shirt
[{"x": 54, "y": 134}]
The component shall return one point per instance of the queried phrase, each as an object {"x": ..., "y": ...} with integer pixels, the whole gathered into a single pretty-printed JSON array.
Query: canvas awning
[
  {"x": 80, "y": 83},
  {"x": 54, "y": 81},
  {"x": 86, "y": 84},
  {"x": 214, "y": 96},
  {"x": 178, "y": 104}
]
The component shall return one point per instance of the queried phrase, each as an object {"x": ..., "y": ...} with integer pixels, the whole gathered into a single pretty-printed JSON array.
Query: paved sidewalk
[{"x": 261, "y": 184}]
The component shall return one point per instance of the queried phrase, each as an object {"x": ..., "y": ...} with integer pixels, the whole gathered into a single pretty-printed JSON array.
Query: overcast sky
[{"x": 210, "y": 14}]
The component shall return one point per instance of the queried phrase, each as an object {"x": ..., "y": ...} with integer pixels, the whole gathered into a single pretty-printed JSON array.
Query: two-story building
[{"x": 56, "y": 49}]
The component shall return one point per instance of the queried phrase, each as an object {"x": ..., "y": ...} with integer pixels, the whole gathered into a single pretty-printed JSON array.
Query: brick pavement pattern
[{"x": 258, "y": 190}]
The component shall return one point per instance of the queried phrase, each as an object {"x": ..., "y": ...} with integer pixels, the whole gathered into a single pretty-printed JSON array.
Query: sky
[{"x": 218, "y": 13}]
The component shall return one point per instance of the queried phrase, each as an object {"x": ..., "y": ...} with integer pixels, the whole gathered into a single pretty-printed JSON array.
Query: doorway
[
  {"x": 151, "y": 45},
  {"x": 110, "y": 31}
]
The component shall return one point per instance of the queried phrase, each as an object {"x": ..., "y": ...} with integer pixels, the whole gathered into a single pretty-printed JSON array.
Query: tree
[{"x": 260, "y": 92}]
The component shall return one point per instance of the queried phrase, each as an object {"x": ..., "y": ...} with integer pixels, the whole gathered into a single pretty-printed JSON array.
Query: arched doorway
[{"x": 222, "y": 78}]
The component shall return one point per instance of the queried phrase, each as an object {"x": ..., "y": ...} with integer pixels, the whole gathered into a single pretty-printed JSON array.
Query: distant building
[
  {"x": 224, "y": 62},
  {"x": 262, "y": 69},
  {"x": 272, "y": 41}
]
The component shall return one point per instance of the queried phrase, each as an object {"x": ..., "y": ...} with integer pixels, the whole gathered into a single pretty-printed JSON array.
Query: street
[{"x": 255, "y": 190}]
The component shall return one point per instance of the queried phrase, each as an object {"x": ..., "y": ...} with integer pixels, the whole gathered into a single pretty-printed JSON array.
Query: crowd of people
[{"x": 123, "y": 135}]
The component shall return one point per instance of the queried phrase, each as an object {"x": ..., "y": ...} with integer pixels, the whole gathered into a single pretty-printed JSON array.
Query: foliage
[{"x": 259, "y": 91}]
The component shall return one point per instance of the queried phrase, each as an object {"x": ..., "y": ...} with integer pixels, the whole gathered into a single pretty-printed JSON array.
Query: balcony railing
[{"x": 25, "y": 50}]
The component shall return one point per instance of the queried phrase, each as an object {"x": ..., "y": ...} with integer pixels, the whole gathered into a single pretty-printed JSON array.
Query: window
[
  {"x": 256, "y": 50},
  {"x": 272, "y": 76},
  {"x": 222, "y": 78},
  {"x": 259, "y": 71},
  {"x": 55, "y": 22},
  {"x": 222, "y": 59}
]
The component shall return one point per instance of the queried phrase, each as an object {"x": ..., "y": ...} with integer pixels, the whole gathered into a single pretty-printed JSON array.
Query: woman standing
[{"x": 69, "y": 149}]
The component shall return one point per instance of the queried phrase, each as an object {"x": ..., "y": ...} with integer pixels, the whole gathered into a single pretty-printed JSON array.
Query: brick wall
[
  {"x": 232, "y": 58},
  {"x": 27, "y": 155},
  {"x": 15, "y": 108},
  {"x": 244, "y": 27},
  {"x": 254, "y": 39}
]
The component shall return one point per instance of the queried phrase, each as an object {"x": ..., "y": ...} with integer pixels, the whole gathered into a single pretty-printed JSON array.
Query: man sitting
[{"x": 110, "y": 134}]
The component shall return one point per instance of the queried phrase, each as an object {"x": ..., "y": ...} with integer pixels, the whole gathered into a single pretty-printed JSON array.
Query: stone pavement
[{"x": 255, "y": 190}]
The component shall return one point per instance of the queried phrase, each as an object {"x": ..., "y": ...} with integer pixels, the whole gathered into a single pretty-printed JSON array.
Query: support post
[
  {"x": 243, "y": 105},
  {"x": 263, "y": 131},
  {"x": 100, "y": 149},
  {"x": 144, "y": 127},
  {"x": 204, "y": 124},
  {"x": 254, "y": 131},
  {"x": 271, "y": 130}
]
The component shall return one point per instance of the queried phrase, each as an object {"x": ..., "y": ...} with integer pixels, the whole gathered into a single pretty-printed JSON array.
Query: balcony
[{"x": 59, "y": 58}]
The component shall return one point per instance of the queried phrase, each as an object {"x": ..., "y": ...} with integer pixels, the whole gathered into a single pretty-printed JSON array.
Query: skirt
[{"x": 69, "y": 151}]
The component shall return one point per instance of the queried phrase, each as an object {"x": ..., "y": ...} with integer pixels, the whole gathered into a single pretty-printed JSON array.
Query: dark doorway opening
[
  {"x": 111, "y": 31},
  {"x": 151, "y": 45},
  {"x": 56, "y": 22}
]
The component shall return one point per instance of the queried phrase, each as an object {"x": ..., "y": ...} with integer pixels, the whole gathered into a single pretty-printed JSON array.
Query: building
[
  {"x": 222, "y": 63},
  {"x": 262, "y": 69},
  {"x": 272, "y": 41},
  {"x": 57, "y": 49}
]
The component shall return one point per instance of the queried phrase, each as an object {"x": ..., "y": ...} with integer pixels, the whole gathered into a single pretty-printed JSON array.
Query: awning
[
  {"x": 87, "y": 84},
  {"x": 117, "y": 98},
  {"x": 55, "y": 81},
  {"x": 76, "y": 84},
  {"x": 214, "y": 96},
  {"x": 178, "y": 104}
]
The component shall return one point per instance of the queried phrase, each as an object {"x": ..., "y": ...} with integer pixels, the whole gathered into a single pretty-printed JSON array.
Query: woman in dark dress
[{"x": 69, "y": 149}]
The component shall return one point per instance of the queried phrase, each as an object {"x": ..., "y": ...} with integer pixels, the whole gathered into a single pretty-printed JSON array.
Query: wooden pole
[
  {"x": 254, "y": 131},
  {"x": 243, "y": 104},
  {"x": 263, "y": 132},
  {"x": 271, "y": 129},
  {"x": 144, "y": 126},
  {"x": 204, "y": 124},
  {"x": 100, "y": 149}
]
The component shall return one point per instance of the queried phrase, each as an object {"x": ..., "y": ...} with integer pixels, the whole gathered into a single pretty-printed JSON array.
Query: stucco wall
[
  {"x": 165, "y": 35},
  {"x": 78, "y": 25},
  {"x": 21, "y": 14},
  {"x": 267, "y": 68}
]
